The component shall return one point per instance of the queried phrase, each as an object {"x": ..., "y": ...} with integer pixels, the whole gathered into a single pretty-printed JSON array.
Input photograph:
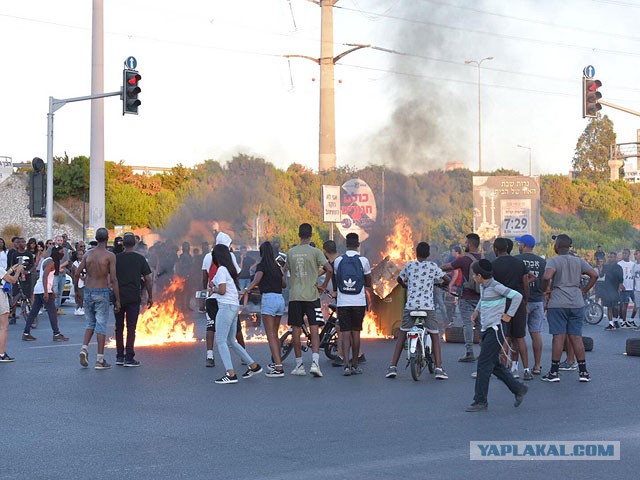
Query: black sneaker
[
  {"x": 520, "y": 396},
  {"x": 337, "y": 362},
  {"x": 252, "y": 371},
  {"x": 120, "y": 361},
  {"x": 551, "y": 377},
  {"x": 12, "y": 320},
  {"x": 84, "y": 358},
  {"x": 610, "y": 327},
  {"x": 103, "y": 365},
  {"x": 616, "y": 323},
  {"x": 210, "y": 362},
  {"x": 27, "y": 337},
  {"x": 227, "y": 379},
  {"x": 132, "y": 363},
  {"x": 5, "y": 358},
  {"x": 584, "y": 377},
  {"x": 58, "y": 337},
  {"x": 467, "y": 358},
  {"x": 347, "y": 372},
  {"x": 476, "y": 407}
]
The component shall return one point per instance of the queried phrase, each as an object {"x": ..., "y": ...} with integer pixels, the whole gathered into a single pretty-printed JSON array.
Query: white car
[{"x": 68, "y": 293}]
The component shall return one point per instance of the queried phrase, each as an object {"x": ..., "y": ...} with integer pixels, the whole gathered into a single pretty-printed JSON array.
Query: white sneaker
[
  {"x": 299, "y": 370},
  {"x": 315, "y": 370},
  {"x": 79, "y": 311}
]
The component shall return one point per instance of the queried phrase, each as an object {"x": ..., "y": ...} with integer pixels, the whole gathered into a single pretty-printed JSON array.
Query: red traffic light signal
[
  {"x": 130, "y": 91},
  {"x": 591, "y": 98}
]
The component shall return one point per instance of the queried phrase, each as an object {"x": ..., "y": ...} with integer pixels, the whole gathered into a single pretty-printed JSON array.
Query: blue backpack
[{"x": 350, "y": 275}]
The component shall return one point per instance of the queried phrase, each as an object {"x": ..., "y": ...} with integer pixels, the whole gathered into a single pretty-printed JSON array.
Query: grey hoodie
[{"x": 493, "y": 299}]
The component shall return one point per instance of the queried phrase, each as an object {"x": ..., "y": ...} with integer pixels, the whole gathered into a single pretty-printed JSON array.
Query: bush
[
  {"x": 11, "y": 230},
  {"x": 60, "y": 218}
]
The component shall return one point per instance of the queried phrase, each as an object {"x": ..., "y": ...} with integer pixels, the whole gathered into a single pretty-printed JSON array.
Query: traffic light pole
[
  {"x": 54, "y": 105},
  {"x": 618, "y": 107}
]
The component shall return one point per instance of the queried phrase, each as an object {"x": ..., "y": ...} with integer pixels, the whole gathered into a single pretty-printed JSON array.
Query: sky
[{"x": 215, "y": 81}]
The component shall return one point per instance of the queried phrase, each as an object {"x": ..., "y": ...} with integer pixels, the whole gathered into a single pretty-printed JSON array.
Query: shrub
[
  {"x": 11, "y": 230},
  {"x": 60, "y": 218}
]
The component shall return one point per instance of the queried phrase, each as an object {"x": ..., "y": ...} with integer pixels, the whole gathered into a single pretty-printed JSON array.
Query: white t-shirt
[
  {"x": 627, "y": 272},
  {"x": 231, "y": 293},
  {"x": 346, "y": 300},
  {"x": 76, "y": 264},
  {"x": 636, "y": 275},
  {"x": 3, "y": 260}
]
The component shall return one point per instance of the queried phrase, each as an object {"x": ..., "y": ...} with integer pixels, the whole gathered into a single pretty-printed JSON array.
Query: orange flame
[
  {"x": 400, "y": 246},
  {"x": 163, "y": 323},
  {"x": 370, "y": 326}
]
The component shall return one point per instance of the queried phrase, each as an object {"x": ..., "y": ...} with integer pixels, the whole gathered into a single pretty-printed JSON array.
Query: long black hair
[
  {"x": 222, "y": 258},
  {"x": 57, "y": 253},
  {"x": 268, "y": 259},
  {"x": 32, "y": 241},
  {"x": 4, "y": 245}
]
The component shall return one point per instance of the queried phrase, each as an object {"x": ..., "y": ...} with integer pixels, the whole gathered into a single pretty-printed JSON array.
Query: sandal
[{"x": 536, "y": 370}]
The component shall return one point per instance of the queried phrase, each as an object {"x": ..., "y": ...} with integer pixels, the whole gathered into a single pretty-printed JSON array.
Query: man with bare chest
[{"x": 100, "y": 265}]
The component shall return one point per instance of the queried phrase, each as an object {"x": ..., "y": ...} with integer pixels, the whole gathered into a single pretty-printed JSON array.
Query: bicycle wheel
[
  {"x": 416, "y": 361},
  {"x": 593, "y": 313},
  {"x": 431, "y": 365},
  {"x": 286, "y": 345},
  {"x": 331, "y": 348}
]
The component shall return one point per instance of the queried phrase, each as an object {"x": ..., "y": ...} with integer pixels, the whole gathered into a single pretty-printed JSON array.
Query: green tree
[{"x": 590, "y": 160}]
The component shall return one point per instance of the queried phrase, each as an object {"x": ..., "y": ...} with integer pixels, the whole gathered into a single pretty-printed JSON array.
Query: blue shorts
[
  {"x": 97, "y": 309},
  {"x": 565, "y": 321},
  {"x": 535, "y": 316},
  {"x": 626, "y": 296},
  {"x": 272, "y": 304}
]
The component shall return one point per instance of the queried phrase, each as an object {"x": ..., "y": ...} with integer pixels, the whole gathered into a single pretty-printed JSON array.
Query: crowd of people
[{"x": 501, "y": 295}]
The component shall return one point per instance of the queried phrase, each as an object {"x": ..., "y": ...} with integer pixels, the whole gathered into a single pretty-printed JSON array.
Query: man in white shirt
[
  {"x": 627, "y": 294},
  {"x": 353, "y": 284},
  {"x": 636, "y": 287}
]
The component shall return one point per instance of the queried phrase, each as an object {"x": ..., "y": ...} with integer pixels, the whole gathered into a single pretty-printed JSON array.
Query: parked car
[{"x": 68, "y": 293}]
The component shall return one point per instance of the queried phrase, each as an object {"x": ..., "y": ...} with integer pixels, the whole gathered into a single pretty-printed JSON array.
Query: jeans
[
  {"x": 466, "y": 309},
  {"x": 438, "y": 297},
  {"x": 50, "y": 307},
  {"x": 130, "y": 313},
  {"x": 488, "y": 363},
  {"x": 226, "y": 335},
  {"x": 96, "y": 309},
  {"x": 58, "y": 287}
]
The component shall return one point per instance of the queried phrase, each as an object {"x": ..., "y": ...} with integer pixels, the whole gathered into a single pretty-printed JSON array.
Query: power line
[{"x": 500, "y": 35}]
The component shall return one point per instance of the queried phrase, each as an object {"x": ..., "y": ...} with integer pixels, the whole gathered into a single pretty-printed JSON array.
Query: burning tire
[
  {"x": 456, "y": 335},
  {"x": 633, "y": 347}
]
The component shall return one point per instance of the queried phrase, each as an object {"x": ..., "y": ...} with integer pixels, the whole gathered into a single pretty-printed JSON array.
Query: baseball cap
[{"x": 527, "y": 240}]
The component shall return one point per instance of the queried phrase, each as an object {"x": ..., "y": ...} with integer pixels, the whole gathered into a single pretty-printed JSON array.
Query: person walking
[
  {"x": 101, "y": 266},
  {"x": 45, "y": 295},
  {"x": 303, "y": 264},
  {"x": 131, "y": 269},
  {"x": 612, "y": 285},
  {"x": 270, "y": 280},
  {"x": 491, "y": 310},
  {"x": 7, "y": 278},
  {"x": 225, "y": 287},
  {"x": 626, "y": 293},
  {"x": 565, "y": 307}
]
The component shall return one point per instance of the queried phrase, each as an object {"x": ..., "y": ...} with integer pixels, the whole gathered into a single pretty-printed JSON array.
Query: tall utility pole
[
  {"x": 528, "y": 148},
  {"x": 327, "y": 152},
  {"x": 327, "y": 147},
  {"x": 96, "y": 159},
  {"x": 478, "y": 63}
]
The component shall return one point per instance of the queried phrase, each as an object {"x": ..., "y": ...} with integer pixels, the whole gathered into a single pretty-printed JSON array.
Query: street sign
[
  {"x": 131, "y": 63},
  {"x": 589, "y": 71},
  {"x": 331, "y": 204}
]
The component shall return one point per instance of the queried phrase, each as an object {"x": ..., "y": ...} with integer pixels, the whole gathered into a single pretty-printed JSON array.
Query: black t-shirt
[
  {"x": 271, "y": 281},
  {"x": 130, "y": 268},
  {"x": 13, "y": 255},
  {"x": 509, "y": 271},
  {"x": 247, "y": 263},
  {"x": 536, "y": 265},
  {"x": 613, "y": 277}
]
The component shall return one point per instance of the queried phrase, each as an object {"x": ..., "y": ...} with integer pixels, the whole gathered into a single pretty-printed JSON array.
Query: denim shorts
[
  {"x": 565, "y": 321},
  {"x": 626, "y": 296},
  {"x": 97, "y": 309},
  {"x": 272, "y": 304},
  {"x": 535, "y": 316}
]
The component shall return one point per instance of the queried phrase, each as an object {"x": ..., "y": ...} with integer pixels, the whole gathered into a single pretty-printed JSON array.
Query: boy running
[
  {"x": 419, "y": 277},
  {"x": 491, "y": 307}
]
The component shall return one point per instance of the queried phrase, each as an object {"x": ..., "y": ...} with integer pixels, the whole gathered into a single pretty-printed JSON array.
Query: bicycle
[
  {"x": 328, "y": 337},
  {"x": 22, "y": 301},
  {"x": 593, "y": 311},
  {"x": 419, "y": 346}
]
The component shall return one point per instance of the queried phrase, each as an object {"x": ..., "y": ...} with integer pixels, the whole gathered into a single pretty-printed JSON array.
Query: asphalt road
[{"x": 168, "y": 419}]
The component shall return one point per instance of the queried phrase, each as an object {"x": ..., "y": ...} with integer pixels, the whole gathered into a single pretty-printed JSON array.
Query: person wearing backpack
[
  {"x": 353, "y": 284},
  {"x": 470, "y": 291}
]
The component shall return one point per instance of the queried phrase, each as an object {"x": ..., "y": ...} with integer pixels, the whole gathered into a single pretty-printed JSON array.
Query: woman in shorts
[{"x": 270, "y": 280}]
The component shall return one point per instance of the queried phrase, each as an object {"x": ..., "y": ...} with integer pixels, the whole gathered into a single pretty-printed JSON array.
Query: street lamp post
[
  {"x": 478, "y": 63},
  {"x": 528, "y": 148}
]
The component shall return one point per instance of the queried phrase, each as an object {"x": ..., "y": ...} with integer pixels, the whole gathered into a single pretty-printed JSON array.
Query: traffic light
[
  {"x": 590, "y": 97},
  {"x": 38, "y": 190},
  {"x": 130, "y": 91}
]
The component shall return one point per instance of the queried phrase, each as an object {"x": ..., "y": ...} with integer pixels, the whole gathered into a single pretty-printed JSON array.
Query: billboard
[
  {"x": 331, "y": 203},
  {"x": 506, "y": 206},
  {"x": 358, "y": 208}
]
